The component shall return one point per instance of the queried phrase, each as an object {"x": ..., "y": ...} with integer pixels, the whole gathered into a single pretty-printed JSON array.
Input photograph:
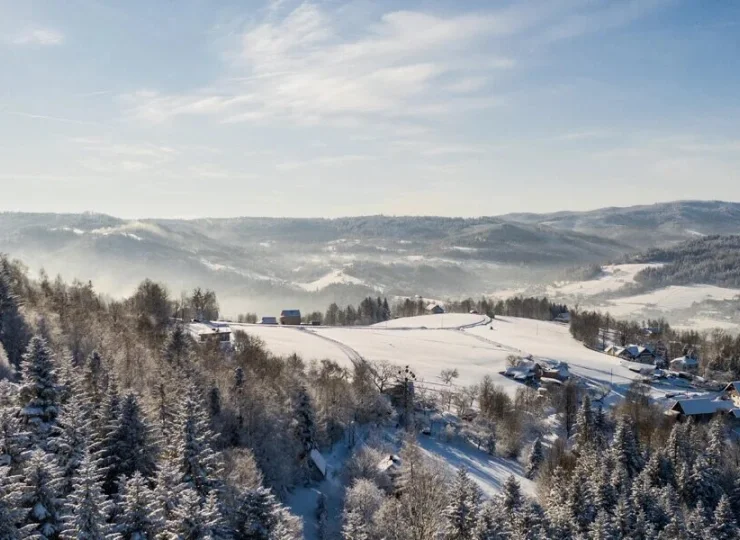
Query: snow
[
  {"x": 672, "y": 298},
  {"x": 446, "y": 320},
  {"x": 333, "y": 277},
  {"x": 613, "y": 278},
  {"x": 489, "y": 472},
  {"x": 287, "y": 340}
]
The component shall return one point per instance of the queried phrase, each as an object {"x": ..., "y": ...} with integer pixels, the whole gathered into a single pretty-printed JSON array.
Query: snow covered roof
[
  {"x": 691, "y": 407},
  {"x": 319, "y": 461},
  {"x": 685, "y": 361},
  {"x": 392, "y": 462},
  {"x": 735, "y": 385}
]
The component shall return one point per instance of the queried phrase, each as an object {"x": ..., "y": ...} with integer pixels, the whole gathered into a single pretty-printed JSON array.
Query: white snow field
[
  {"x": 614, "y": 277},
  {"x": 473, "y": 348},
  {"x": 668, "y": 299},
  {"x": 336, "y": 276}
]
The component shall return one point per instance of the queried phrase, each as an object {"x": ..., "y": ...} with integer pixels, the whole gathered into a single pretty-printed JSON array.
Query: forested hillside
[{"x": 713, "y": 260}]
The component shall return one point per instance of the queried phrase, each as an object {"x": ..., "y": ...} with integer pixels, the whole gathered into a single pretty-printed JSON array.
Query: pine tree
[
  {"x": 715, "y": 447},
  {"x": 580, "y": 501},
  {"x": 512, "y": 495},
  {"x": 624, "y": 517},
  {"x": 625, "y": 450},
  {"x": 14, "y": 440},
  {"x": 86, "y": 508},
  {"x": 40, "y": 501},
  {"x": 584, "y": 425},
  {"x": 39, "y": 391},
  {"x": 140, "y": 516},
  {"x": 199, "y": 464},
  {"x": 704, "y": 484},
  {"x": 354, "y": 527},
  {"x": 104, "y": 442},
  {"x": 535, "y": 459},
  {"x": 129, "y": 443},
  {"x": 10, "y": 511},
  {"x": 697, "y": 524},
  {"x": 257, "y": 514},
  {"x": 176, "y": 350},
  {"x": 73, "y": 437},
  {"x": 93, "y": 379},
  {"x": 304, "y": 420},
  {"x": 193, "y": 520},
  {"x": 492, "y": 523},
  {"x": 14, "y": 333},
  {"x": 602, "y": 528},
  {"x": 169, "y": 486},
  {"x": 461, "y": 514},
  {"x": 724, "y": 526}
]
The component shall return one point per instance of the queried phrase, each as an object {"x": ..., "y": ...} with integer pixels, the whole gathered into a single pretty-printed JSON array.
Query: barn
[{"x": 290, "y": 317}]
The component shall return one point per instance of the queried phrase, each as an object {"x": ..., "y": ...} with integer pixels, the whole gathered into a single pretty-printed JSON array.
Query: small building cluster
[
  {"x": 704, "y": 408},
  {"x": 209, "y": 332},
  {"x": 530, "y": 371}
]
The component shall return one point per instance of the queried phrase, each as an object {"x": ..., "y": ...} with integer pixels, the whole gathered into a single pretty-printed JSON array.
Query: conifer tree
[
  {"x": 176, "y": 349},
  {"x": 129, "y": 443},
  {"x": 535, "y": 458},
  {"x": 724, "y": 526},
  {"x": 697, "y": 523},
  {"x": 39, "y": 500},
  {"x": 14, "y": 333},
  {"x": 168, "y": 484},
  {"x": 704, "y": 484},
  {"x": 512, "y": 495},
  {"x": 584, "y": 425},
  {"x": 39, "y": 390},
  {"x": 14, "y": 439},
  {"x": 86, "y": 509},
  {"x": 194, "y": 520},
  {"x": 492, "y": 523},
  {"x": 461, "y": 514},
  {"x": 580, "y": 501},
  {"x": 140, "y": 516},
  {"x": 199, "y": 464},
  {"x": 10, "y": 511},
  {"x": 602, "y": 528},
  {"x": 72, "y": 438},
  {"x": 257, "y": 514},
  {"x": 625, "y": 450}
]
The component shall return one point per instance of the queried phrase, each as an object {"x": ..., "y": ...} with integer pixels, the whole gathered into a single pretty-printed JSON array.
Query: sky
[{"x": 195, "y": 108}]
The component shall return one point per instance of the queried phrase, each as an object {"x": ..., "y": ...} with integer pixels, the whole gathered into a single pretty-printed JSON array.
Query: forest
[{"x": 712, "y": 260}]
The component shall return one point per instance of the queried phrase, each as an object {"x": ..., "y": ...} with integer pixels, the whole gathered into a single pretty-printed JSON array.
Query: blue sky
[{"x": 188, "y": 108}]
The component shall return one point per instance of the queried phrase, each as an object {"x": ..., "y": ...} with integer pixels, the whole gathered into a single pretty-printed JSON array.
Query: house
[
  {"x": 290, "y": 317},
  {"x": 269, "y": 320},
  {"x": 525, "y": 371},
  {"x": 557, "y": 370},
  {"x": 732, "y": 393},
  {"x": 209, "y": 332},
  {"x": 633, "y": 353},
  {"x": 699, "y": 408},
  {"x": 435, "y": 309},
  {"x": 685, "y": 363},
  {"x": 563, "y": 317}
]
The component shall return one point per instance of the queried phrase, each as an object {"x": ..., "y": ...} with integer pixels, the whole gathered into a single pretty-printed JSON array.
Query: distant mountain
[
  {"x": 304, "y": 262},
  {"x": 645, "y": 226}
]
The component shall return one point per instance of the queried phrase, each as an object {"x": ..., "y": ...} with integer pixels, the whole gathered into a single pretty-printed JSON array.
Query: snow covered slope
[
  {"x": 475, "y": 351},
  {"x": 447, "y": 320},
  {"x": 613, "y": 278}
]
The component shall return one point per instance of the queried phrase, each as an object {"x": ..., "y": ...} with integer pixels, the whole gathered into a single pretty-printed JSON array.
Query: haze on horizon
[{"x": 285, "y": 108}]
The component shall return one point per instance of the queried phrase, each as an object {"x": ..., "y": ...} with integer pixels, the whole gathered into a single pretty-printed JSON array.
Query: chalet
[
  {"x": 563, "y": 317},
  {"x": 525, "y": 371},
  {"x": 699, "y": 408},
  {"x": 269, "y": 320},
  {"x": 435, "y": 309},
  {"x": 557, "y": 370},
  {"x": 633, "y": 353},
  {"x": 685, "y": 363},
  {"x": 290, "y": 317},
  {"x": 209, "y": 332}
]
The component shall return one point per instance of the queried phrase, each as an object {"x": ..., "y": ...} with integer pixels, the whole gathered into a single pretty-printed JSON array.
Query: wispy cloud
[
  {"x": 38, "y": 36},
  {"x": 322, "y": 162},
  {"x": 46, "y": 117},
  {"x": 584, "y": 135}
]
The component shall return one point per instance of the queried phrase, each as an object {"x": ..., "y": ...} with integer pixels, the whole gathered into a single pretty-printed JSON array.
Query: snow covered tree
[
  {"x": 697, "y": 523},
  {"x": 512, "y": 495},
  {"x": 257, "y": 514},
  {"x": 176, "y": 350},
  {"x": 361, "y": 503},
  {"x": 580, "y": 501},
  {"x": 72, "y": 438},
  {"x": 129, "y": 444},
  {"x": 14, "y": 440},
  {"x": 39, "y": 391},
  {"x": 13, "y": 329},
  {"x": 86, "y": 509},
  {"x": 140, "y": 516},
  {"x": 10, "y": 510},
  {"x": 535, "y": 458},
  {"x": 724, "y": 526},
  {"x": 584, "y": 425},
  {"x": 304, "y": 421},
  {"x": 93, "y": 379},
  {"x": 195, "y": 520},
  {"x": 602, "y": 528},
  {"x": 199, "y": 464},
  {"x": 39, "y": 500},
  {"x": 461, "y": 513},
  {"x": 625, "y": 450},
  {"x": 168, "y": 484},
  {"x": 715, "y": 448},
  {"x": 492, "y": 522},
  {"x": 704, "y": 484}
]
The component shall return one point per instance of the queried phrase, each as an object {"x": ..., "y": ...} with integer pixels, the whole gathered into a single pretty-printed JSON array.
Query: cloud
[
  {"x": 38, "y": 36},
  {"x": 584, "y": 135},
  {"x": 322, "y": 162}
]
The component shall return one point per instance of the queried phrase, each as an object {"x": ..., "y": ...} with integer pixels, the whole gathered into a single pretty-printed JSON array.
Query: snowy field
[
  {"x": 614, "y": 277},
  {"x": 668, "y": 299},
  {"x": 463, "y": 343}
]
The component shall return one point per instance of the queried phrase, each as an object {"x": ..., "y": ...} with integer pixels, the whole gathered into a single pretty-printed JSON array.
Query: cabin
[
  {"x": 633, "y": 353},
  {"x": 269, "y": 320},
  {"x": 209, "y": 332},
  {"x": 685, "y": 363},
  {"x": 525, "y": 371},
  {"x": 290, "y": 317},
  {"x": 700, "y": 409},
  {"x": 563, "y": 317},
  {"x": 435, "y": 309}
]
